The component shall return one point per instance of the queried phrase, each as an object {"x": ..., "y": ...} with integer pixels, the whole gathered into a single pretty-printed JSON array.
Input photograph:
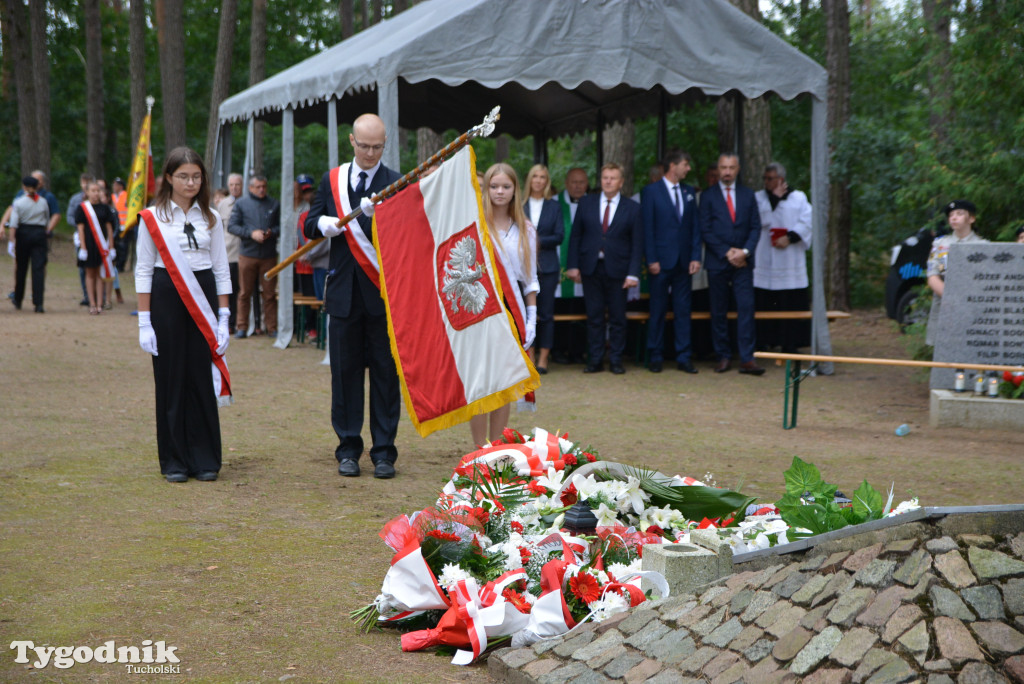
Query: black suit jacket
[
  {"x": 721, "y": 232},
  {"x": 623, "y": 244},
  {"x": 346, "y": 278},
  {"x": 550, "y": 234}
]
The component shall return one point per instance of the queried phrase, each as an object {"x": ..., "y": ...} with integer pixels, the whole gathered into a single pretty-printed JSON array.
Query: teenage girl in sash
[
  {"x": 94, "y": 219},
  {"x": 182, "y": 278}
]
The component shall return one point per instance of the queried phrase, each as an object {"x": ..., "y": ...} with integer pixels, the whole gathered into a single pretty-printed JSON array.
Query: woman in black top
[{"x": 90, "y": 254}]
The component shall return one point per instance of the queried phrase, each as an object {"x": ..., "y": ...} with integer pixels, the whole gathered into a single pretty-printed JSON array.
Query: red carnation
[
  {"x": 524, "y": 556},
  {"x": 444, "y": 536},
  {"x": 569, "y": 459},
  {"x": 517, "y": 526},
  {"x": 585, "y": 587},
  {"x": 569, "y": 496},
  {"x": 590, "y": 457},
  {"x": 1007, "y": 376}
]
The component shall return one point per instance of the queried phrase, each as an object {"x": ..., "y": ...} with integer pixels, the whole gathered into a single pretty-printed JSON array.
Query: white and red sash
[
  {"x": 195, "y": 301},
  {"x": 361, "y": 246},
  {"x": 93, "y": 221}
]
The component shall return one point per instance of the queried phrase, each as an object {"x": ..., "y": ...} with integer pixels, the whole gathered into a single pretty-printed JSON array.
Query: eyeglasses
[
  {"x": 363, "y": 147},
  {"x": 185, "y": 178}
]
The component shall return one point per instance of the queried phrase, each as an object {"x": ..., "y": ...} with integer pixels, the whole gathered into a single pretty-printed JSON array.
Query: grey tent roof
[{"x": 550, "y": 65}]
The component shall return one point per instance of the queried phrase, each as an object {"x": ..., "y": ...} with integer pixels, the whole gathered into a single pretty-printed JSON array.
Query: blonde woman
[
  {"x": 544, "y": 213},
  {"x": 515, "y": 238}
]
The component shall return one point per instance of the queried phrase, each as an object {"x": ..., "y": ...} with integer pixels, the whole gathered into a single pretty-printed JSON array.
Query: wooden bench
[
  {"x": 305, "y": 302},
  {"x": 795, "y": 375}
]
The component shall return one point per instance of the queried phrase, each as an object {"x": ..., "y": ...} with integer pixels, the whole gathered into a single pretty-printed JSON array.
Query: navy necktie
[
  {"x": 679, "y": 201},
  {"x": 361, "y": 185}
]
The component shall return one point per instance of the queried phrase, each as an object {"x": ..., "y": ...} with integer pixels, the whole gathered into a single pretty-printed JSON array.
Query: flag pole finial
[{"x": 150, "y": 101}]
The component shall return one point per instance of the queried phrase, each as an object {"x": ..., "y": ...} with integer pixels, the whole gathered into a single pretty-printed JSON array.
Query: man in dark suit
[
  {"x": 358, "y": 332},
  {"x": 672, "y": 244},
  {"x": 731, "y": 225},
  {"x": 605, "y": 247}
]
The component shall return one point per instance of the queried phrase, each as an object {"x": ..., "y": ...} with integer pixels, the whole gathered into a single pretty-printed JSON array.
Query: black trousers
[
  {"x": 233, "y": 298},
  {"x": 187, "y": 422},
  {"x": 546, "y": 309},
  {"x": 30, "y": 245},
  {"x": 600, "y": 293},
  {"x": 357, "y": 342}
]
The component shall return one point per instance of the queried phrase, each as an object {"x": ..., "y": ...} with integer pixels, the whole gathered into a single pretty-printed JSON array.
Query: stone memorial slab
[{"x": 982, "y": 314}]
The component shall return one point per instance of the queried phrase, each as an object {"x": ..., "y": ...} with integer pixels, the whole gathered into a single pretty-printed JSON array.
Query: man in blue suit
[
  {"x": 672, "y": 243},
  {"x": 731, "y": 225},
  {"x": 605, "y": 247}
]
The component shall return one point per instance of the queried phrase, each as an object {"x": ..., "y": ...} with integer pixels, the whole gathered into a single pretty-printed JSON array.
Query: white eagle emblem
[{"x": 462, "y": 276}]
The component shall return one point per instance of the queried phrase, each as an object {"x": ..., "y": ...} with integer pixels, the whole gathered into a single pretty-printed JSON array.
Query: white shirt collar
[
  {"x": 614, "y": 200},
  {"x": 724, "y": 186},
  {"x": 353, "y": 176},
  {"x": 669, "y": 184}
]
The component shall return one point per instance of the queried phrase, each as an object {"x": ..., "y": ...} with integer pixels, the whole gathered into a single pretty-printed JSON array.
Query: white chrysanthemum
[
  {"x": 450, "y": 574},
  {"x": 610, "y": 604}
]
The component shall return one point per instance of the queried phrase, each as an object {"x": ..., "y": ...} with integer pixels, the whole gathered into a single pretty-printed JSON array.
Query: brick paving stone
[
  {"x": 940, "y": 679},
  {"x": 724, "y": 633},
  {"x": 1014, "y": 667},
  {"x": 1017, "y": 545},
  {"x": 807, "y": 592},
  {"x": 948, "y": 603},
  {"x": 732, "y": 674},
  {"x": 884, "y": 605},
  {"x": 740, "y": 601},
  {"x": 1013, "y": 595},
  {"x": 762, "y": 576},
  {"x": 913, "y": 568},
  {"x": 760, "y": 602},
  {"x": 941, "y": 545},
  {"x": 739, "y": 580},
  {"x": 708, "y": 624},
  {"x": 816, "y": 650},
  {"x": 877, "y": 573},
  {"x": 725, "y": 597},
  {"x": 976, "y": 540},
  {"x": 759, "y": 650},
  {"x": 955, "y": 570},
  {"x": 905, "y": 616},
  {"x": 668, "y": 677},
  {"x": 694, "y": 615},
  {"x": 790, "y": 644},
  {"x": 792, "y": 584},
  {"x": 850, "y": 604},
  {"x": 986, "y": 601},
  {"x": 999, "y": 638},
  {"x": 871, "y": 662},
  {"x": 643, "y": 670},
  {"x": 991, "y": 564},
  {"x": 955, "y": 642},
  {"x": 785, "y": 572},
  {"x": 941, "y": 665},
  {"x": 748, "y": 636},
  {"x": 598, "y": 646},
  {"x": 719, "y": 664},
  {"x": 672, "y": 648},
  {"x": 773, "y": 613},
  {"x": 648, "y": 635},
  {"x": 571, "y": 672},
  {"x": 833, "y": 562},
  {"x": 828, "y": 676},
  {"x": 854, "y": 645},
  {"x": 612, "y": 622},
  {"x": 812, "y": 563},
  {"x": 697, "y": 661},
  {"x": 518, "y": 657},
  {"x": 893, "y": 672},
  {"x": 673, "y": 602},
  {"x": 606, "y": 656},
  {"x": 762, "y": 670},
  {"x": 711, "y": 593},
  {"x": 636, "y": 621},
  {"x": 620, "y": 666},
  {"x": 817, "y": 615},
  {"x": 566, "y": 648},
  {"x": 539, "y": 668},
  {"x": 861, "y": 557},
  {"x": 979, "y": 673},
  {"x": 673, "y": 613},
  {"x": 786, "y": 622},
  {"x": 901, "y": 546},
  {"x": 921, "y": 588},
  {"x": 840, "y": 582},
  {"x": 916, "y": 642}
]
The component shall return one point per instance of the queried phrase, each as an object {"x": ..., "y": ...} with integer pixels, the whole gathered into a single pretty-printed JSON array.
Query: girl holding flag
[
  {"x": 182, "y": 277},
  {"x": 95, "y": 221},
  {"x": 515, "y": 240}
]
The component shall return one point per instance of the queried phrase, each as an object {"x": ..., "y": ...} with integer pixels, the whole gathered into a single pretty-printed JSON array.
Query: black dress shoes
[
  {"x": 687, "y": 367},
  {"x": 617, "y": 369},
  {"x": 348, "y": 467},
  {"x": 593, "y": 368},
  {"x": 240, "y": 334},
  {"x": 382, "y": 470},
  {"x": 541, "y": 370},
  {"x": 207, "y": 476},
  {"x": 654, "y": 366},
  {"x": 723, "y": 365},
  {"x": 176, "y": 477},
  {"x": 751, "y": 368}
]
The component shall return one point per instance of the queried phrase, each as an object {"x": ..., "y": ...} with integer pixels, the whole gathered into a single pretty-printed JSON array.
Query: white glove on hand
[
  {"x": 10, "y": 248},
  {"x": 328, "y": 225},
  {"x": 83, "y": 254},
  {"x": 147, "y": 336},
  {"x": 366, "y": 204},
  {"x": 113, "y": 253},
  {"x": 222, "y": 330},
  {"x": 531, "y": 326}
]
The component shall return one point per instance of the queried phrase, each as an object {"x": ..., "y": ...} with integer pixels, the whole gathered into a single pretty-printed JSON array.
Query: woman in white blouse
[
  {"x": 515, "y": 239},
  {"x": 187, "y": 422}
]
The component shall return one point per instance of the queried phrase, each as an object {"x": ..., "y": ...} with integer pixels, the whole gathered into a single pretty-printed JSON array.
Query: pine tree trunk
[
  {"x": 427, "y": 143},
  {"x": 15, "y": 26},
  {"x": 347, "y": 17},
  {"x": 501, "y": 146},
  {"x": 41, "y": 76},
  {"x": 757, "y": 122},
  {"x": 619, "y": 140},
  {"x": 837, "y": 54},
  {"x": 936, "y": 18},
  {"x": 93, "y": 88},
  {"x": 137, "y": 66},
  {"x": 725, "y": 113},
  {"x": 170, "y": 36},
  {"x": 257, "y": 72},
  {"x": 221, "y": 72},
  {"x": 375, "y": 12}
]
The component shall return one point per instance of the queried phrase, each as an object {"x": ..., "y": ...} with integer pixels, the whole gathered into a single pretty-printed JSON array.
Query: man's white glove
[
  {"x": 113, "y": 253},
  {"x": 10, "y": 248},
  {"x": 328, "y": 225},
  {"x": 223, "y": 337},
  {"x": 531, "y": 326},
  {"x": 147, "y": 336},
  {"x": 83, "y": 254},
  {"x": 366, "y": 204}
]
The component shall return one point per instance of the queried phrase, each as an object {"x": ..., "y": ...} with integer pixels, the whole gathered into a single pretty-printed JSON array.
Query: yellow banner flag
[{"x": 141, "y": 184}]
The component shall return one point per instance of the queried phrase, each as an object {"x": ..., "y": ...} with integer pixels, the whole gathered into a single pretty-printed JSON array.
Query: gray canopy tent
[{"x": 555, "y": 68}]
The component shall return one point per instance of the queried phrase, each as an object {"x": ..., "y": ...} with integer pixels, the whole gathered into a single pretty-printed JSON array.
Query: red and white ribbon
[
  {"x": 361, "y": 246},
  {"x": 93, "y": 221},
  {"x": 410, "y": 585}
]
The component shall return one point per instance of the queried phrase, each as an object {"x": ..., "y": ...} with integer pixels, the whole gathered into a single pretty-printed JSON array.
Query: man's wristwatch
[{"x": 746, "y": 252}]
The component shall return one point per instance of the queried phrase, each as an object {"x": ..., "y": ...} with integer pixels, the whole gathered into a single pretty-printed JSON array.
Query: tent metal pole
[
  {"x": 332, "y": 132},
  {"x": 662, "y": 125},
  {"x": 821, "y": 341},
  {"x": 599, "y": 142},
  {"x": 286, "y": 245},
  {"x": 387, "y": 109}
]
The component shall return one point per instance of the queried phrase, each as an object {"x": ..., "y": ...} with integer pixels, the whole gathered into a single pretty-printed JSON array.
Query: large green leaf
[
  {"x": 801, "y": 477},
  {"x": 867, "y": 502}
]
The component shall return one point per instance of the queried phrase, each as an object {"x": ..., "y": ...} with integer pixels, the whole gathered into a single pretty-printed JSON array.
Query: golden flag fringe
[{"x": 141, "y": 182}]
